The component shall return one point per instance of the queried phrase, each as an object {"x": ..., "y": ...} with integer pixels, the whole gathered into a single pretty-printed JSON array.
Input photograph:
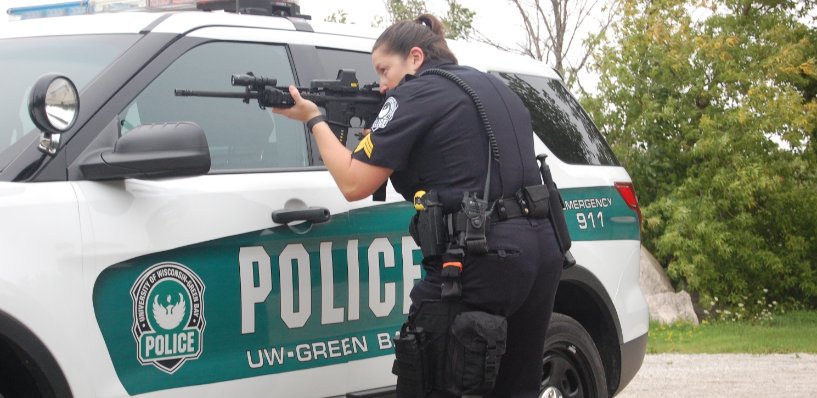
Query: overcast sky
[
  {"x": 497, "y": 19},
  {"x": 494, "y": 18}
]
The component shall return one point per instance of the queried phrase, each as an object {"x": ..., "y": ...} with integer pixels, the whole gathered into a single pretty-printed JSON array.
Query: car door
[{"x": 194, "y": 285}]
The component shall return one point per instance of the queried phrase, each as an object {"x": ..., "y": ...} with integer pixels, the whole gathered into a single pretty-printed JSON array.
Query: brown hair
[{"x": 425, "y": 32}]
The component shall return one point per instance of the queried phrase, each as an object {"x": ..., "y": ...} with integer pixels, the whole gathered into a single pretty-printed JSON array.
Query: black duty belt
[{"x": 504, "y": 209}]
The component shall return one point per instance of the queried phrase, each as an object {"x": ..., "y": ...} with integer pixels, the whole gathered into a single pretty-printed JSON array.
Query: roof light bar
[
  {"x": 171, "y": 5},
  {"x": 289, "y": 8},
  {"x": 50, "y": 10}
]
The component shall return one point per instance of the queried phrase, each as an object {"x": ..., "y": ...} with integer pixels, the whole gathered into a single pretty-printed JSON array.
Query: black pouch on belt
[
  {"x": 534, "y": 201},
  {"x": 411, "y": 363},
  {"x": 475, "y": 347},
  {"x": 419, "y": 363}
]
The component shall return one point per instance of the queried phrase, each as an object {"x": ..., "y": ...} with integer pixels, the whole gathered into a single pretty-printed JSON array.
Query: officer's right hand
[{"x": 303, "y": 110}]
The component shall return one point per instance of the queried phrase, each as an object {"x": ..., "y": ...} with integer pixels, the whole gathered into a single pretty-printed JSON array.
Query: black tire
[
  {"x": 572, "y": 365},
  {"x": 16, "y": 380}
]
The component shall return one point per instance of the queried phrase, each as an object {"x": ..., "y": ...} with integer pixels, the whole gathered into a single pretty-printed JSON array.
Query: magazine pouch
[
  {"x": 476, "y": 344},
  {"x": 411, "y": 364},
  {"x": 420, "y": 351}
]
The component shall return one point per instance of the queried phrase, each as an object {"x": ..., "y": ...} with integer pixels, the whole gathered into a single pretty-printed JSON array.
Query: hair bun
[{"x": 432, "y": 23}]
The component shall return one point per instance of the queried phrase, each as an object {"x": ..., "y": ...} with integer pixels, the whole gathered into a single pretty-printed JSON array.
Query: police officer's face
[{"x": 392, "y": 67}]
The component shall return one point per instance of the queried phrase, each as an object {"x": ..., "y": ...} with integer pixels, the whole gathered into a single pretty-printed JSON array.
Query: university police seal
[
  {"x": 168, "y": 316},
  {"x": 386, "y": 114}
]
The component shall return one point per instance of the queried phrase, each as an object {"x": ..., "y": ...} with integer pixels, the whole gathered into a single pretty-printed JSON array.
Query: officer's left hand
[{"x": 303, "y": 110}]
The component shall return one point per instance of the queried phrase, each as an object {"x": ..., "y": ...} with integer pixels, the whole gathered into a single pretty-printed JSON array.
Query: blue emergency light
[
  {"x": 51, "y": 10},
  {"x": 284, "y": 8}
]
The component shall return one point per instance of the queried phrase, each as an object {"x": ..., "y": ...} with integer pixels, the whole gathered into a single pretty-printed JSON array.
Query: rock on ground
[{"x": 665, "y": 305}]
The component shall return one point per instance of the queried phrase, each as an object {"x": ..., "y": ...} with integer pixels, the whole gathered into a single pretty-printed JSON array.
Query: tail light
[{"x": 627, "y": 192}]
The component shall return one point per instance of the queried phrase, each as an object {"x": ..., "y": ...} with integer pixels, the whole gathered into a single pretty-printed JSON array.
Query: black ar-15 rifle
[{"x": 344, "y": 99}]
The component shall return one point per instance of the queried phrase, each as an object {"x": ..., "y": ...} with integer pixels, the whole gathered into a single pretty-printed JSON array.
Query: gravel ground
[{"x": 725, "y": 375}]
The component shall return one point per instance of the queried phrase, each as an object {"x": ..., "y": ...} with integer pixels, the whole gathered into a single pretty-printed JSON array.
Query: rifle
[{"x": 344, "y": 99}]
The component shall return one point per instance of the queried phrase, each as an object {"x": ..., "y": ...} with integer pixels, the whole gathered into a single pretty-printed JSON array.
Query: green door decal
[{"x": 260, "y": 303}]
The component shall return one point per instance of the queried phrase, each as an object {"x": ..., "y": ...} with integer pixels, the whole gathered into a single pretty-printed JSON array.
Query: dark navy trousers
[{"x": 516, "y": 279}]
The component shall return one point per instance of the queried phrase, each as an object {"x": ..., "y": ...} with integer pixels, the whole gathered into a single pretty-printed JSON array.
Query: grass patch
[{"x": 786, "y": 333}]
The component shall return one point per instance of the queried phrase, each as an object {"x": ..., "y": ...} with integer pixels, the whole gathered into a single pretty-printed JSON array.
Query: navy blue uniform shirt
[{"x": 429, "y": 132}]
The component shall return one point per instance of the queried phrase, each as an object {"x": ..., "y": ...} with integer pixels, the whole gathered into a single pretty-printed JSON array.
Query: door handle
[{"x": 315, "y": 215}]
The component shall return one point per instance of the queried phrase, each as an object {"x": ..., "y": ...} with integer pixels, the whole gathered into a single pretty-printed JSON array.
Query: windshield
[{"x": 23, "y": 60}]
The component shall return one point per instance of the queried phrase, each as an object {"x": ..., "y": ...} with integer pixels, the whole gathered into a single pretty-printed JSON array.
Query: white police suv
[{"x": 138, "y": 252}]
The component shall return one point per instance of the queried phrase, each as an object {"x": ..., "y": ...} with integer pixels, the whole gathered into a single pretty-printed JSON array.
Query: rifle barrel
[{"x": 214, "y": 94}]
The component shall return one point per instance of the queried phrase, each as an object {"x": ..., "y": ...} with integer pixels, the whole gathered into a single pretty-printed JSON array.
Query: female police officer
[{"x": 429, "y": 136}]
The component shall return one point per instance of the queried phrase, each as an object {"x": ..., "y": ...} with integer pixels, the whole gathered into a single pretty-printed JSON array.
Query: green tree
[
  {"x": 339, "y": 16},
  {"x": 458, "y": 19},
  {"x": 558, "y": 28},
  {"x": 405, "y": 9},
  {"x": 716, "y": 119}
]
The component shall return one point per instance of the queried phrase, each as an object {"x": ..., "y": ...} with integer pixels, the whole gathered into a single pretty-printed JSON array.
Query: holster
[{"x": 429, "y": 228}]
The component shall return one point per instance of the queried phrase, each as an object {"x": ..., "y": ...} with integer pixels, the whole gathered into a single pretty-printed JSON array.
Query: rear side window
[{"x": 560, "y": 122}]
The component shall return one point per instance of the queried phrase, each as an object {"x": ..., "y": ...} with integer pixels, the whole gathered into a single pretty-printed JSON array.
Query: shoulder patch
[
  {"x": 386, "y": 114},
  {"x": 366, "y": 145}
]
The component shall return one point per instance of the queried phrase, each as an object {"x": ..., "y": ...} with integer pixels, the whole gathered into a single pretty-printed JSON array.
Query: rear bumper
[{"x": 632, "y": 356}]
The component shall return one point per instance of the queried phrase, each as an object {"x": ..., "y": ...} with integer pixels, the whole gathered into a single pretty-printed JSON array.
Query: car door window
[{"x": 241, "y": 136}]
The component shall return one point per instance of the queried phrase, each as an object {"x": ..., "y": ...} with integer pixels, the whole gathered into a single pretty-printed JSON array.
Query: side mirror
[
  {"x": 53, "y": 106},
  {"x": 152, "y": 151}
]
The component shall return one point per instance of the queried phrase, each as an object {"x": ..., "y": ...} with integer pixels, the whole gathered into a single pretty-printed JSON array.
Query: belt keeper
[{"x": 502, "y": 211}]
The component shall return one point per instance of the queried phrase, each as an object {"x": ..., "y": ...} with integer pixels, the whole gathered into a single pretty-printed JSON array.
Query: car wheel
[{"x": 571, "y": 364}]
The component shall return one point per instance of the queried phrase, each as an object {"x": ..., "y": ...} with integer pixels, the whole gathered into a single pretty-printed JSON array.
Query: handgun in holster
[{"x": 429, "y": 227}]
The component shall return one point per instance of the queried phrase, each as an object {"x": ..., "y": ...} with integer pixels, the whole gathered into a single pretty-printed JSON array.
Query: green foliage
[
  {"x": 400, "y": 10},
  {"x": 458, "y": 19},
  {"x": 338, "y": 16},
  {"x": 716, "y": 119}
]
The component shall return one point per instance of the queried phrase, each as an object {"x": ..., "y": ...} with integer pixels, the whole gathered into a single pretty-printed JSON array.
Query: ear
[{"x": 416, "y": 58}]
